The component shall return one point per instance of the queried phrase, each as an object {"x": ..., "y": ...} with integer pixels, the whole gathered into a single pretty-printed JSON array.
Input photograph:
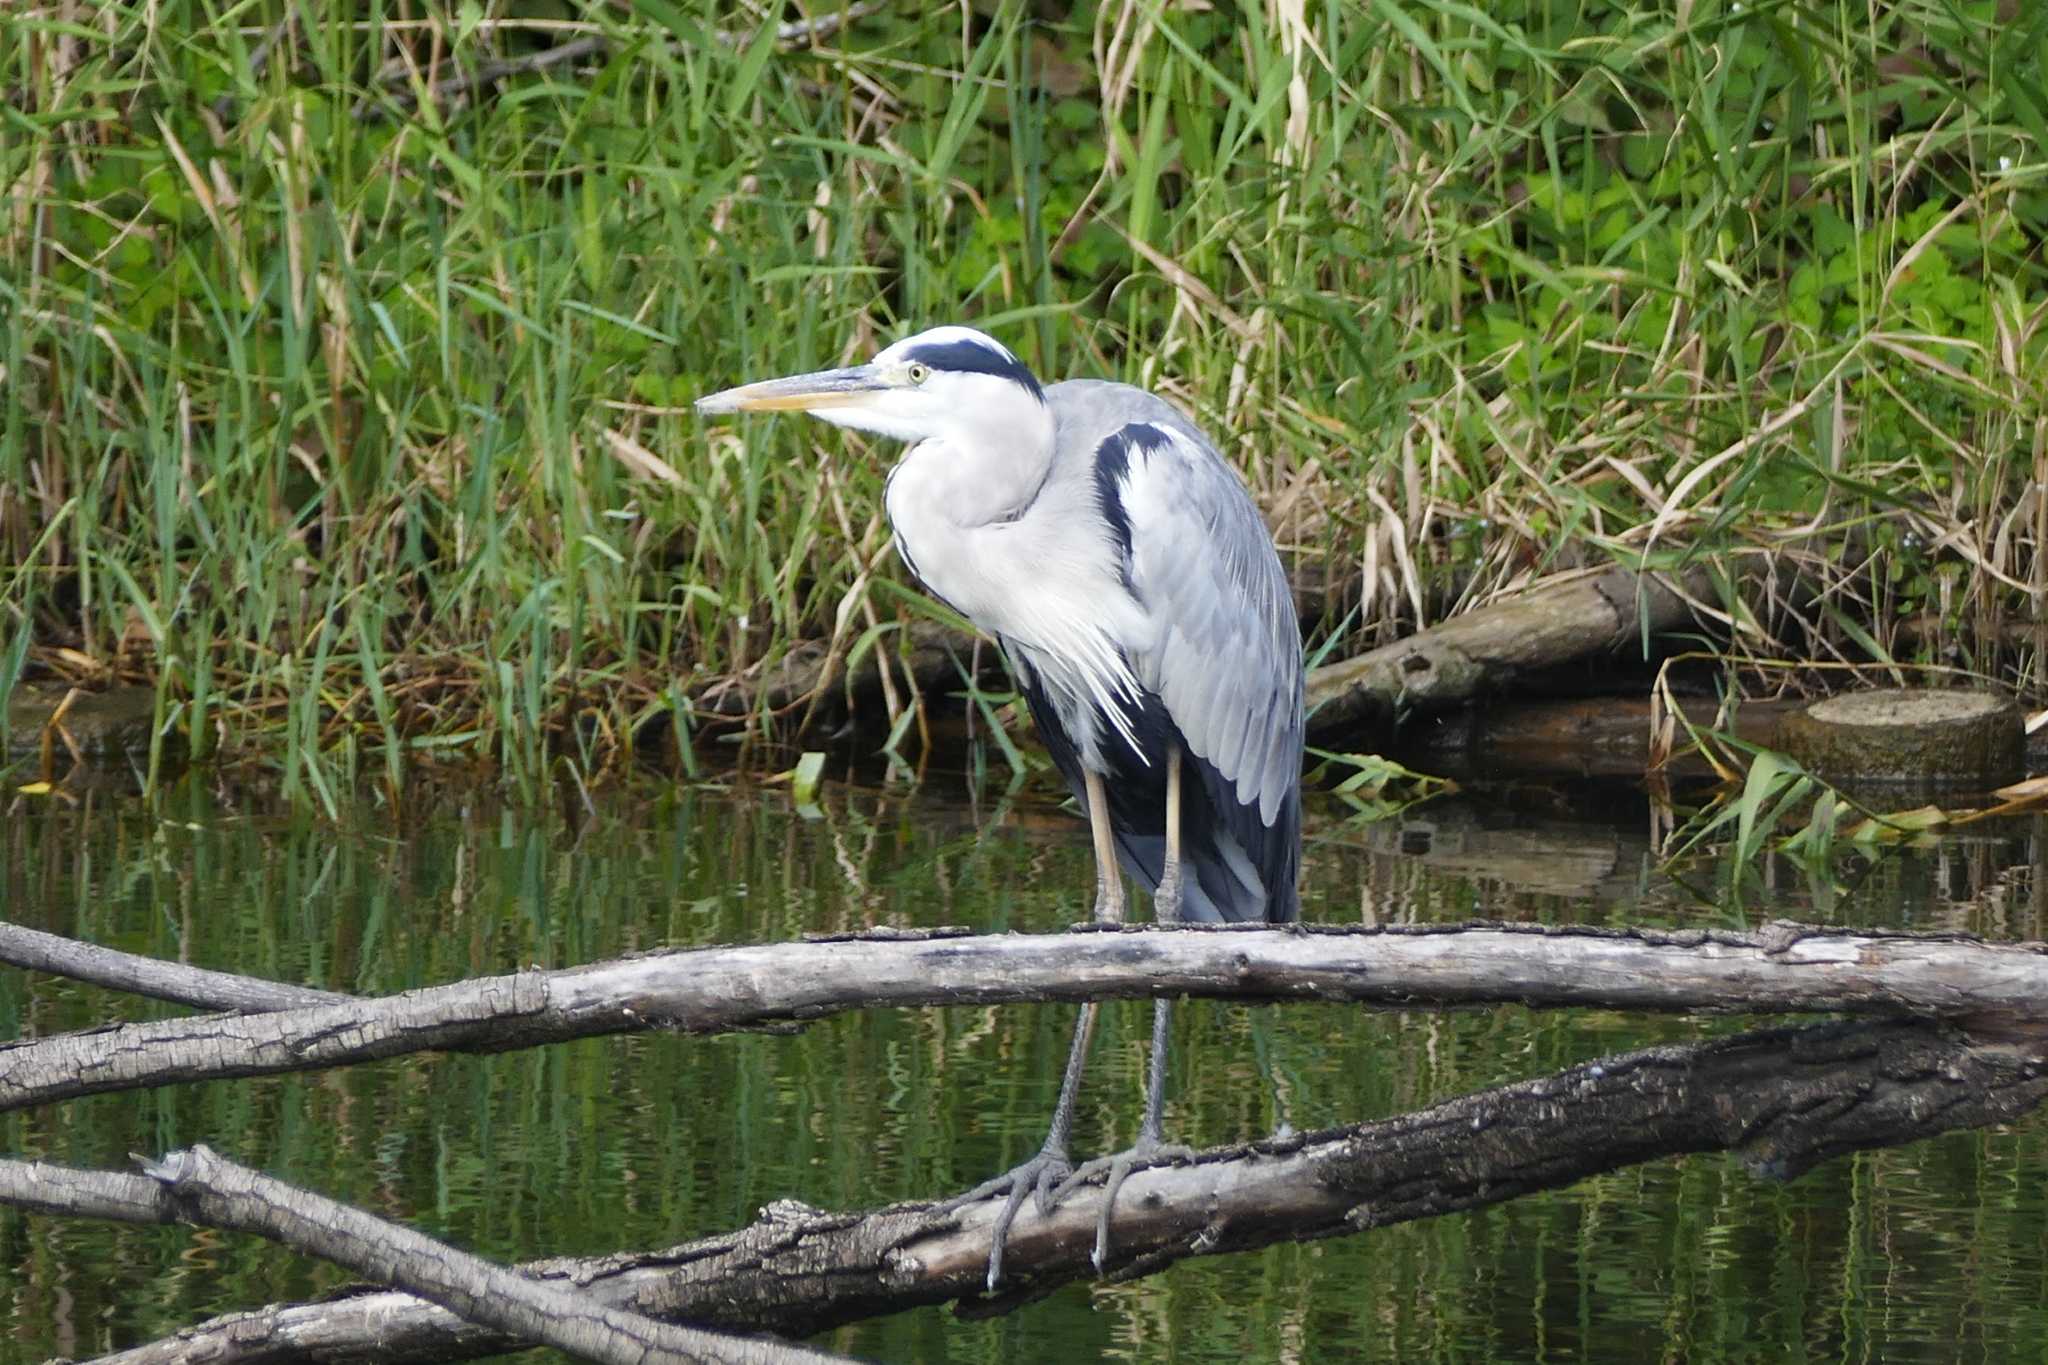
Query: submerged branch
[
  {"x": 1784, "y": 968},
  {"x": 1785, "y": 1099}
]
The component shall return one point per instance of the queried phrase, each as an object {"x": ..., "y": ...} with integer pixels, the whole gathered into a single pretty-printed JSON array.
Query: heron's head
[{"x": 949, "y": 382}]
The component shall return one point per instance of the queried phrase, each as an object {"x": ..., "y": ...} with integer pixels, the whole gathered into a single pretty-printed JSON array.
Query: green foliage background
[{"x": 346, "y": 392}]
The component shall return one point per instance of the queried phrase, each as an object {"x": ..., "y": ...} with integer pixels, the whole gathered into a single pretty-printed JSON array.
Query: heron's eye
[{"x": 919, "y": 373}]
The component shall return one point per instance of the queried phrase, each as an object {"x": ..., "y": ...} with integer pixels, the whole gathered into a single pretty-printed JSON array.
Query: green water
[{"x": 1936, "y": 1252}]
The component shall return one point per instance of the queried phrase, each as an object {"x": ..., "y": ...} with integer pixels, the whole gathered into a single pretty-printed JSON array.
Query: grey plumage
[
  {"x": 1222, "y": 655},
  {"x": 1100, "y": 537}
]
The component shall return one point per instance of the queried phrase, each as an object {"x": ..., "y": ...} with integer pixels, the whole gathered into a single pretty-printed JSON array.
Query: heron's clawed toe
[
  {"x": 1045, "y": 1176},
  {"x": 1145, "y": 1153}
]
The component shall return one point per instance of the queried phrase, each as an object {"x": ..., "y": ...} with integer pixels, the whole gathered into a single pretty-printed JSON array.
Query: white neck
[{"x": 950, "y": 489}]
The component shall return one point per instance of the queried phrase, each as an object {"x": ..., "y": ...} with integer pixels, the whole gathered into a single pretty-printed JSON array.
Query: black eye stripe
[{"x": 971, "y": 357}]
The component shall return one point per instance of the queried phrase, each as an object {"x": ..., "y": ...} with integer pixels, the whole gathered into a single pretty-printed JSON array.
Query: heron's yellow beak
[{"x": 798, "y": 393}]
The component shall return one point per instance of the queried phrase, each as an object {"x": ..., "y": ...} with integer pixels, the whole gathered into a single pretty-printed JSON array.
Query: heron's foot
[
  {"x": 1147, "y": 1152},
  {"x": 1045, "y": 1176}
]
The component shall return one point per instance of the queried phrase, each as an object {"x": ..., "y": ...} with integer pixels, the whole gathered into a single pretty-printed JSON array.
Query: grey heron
[{"x": 1104, "y": 543}]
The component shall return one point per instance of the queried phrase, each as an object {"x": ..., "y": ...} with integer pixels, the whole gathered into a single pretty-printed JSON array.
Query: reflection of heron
[{"x": 1102, "y": 540}]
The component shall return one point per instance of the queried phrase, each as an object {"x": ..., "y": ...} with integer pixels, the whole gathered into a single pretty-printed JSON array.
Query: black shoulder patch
[
  {"x": 972, "y": 357},
  {"x": 1112, "y": 467}
]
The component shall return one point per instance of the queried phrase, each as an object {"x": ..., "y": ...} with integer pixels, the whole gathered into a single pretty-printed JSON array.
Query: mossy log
[
  {"x": 1489, "y": 648},
  {"x": 86, "y": 724}
]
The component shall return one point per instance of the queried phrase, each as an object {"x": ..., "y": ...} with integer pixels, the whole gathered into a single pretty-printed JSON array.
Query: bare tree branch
[
  {"x": 152, "y": 976},
  {"x": 116, "y": 1196},
  {"x": 1785, "y": 968},
  {"x": 210, "y": 1191},
  {"x": 1785, "y": 1099}
]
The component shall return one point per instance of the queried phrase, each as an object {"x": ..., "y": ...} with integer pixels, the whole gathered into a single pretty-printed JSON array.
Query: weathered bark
[
  {"x": 1785, "y": 1099},
  {"x": 209, "y": 1191},
  {"x": 152, "y": 976},
  {"x": 1783, "y": 969},
  {"x": 116, "y": 1196},
  {"x": 466, "y": 1293},
  {"x": 1488, "y": 648}
]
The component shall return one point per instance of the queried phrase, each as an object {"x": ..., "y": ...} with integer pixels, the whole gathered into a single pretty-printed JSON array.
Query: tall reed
[{"x": 346, "y": 390}]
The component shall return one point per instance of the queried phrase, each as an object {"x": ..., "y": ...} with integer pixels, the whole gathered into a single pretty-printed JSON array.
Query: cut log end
[{"x": 1911, "y": 738}]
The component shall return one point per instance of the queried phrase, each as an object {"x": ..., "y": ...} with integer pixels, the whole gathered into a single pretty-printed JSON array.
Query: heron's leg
[
  {"x": 1043, "y": 1174},
  {"x": 1148, "y": 1150},
  {"x": 1166, "y": 900},
  {"x": 1109, "y": 879}
]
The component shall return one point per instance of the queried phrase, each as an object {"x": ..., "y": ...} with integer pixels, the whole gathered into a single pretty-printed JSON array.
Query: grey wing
[{"x": 1225, "y": 656}]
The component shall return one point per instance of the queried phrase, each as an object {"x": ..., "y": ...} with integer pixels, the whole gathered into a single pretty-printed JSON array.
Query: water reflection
[
  {"x": 1930, "y": 1250},
  {"x": 1585, "y": 855}
]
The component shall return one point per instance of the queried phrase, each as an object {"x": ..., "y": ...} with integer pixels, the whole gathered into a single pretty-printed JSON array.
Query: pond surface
[{"x": 1937, "y": 1251}]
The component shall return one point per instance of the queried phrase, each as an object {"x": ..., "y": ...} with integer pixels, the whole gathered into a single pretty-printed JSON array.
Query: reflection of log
[
  {"x": 1783, "y": 968},
  {"x": 1455, "y": 660},
  {"x": 1786, "y": 1099},
  {"x": 1512, "y": 849}
]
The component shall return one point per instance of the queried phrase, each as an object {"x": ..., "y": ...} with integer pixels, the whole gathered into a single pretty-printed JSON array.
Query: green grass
[{"x": 328, "y": 403}]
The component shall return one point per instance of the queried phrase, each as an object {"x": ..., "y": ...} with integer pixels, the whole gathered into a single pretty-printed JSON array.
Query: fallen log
[
  {"x": 1558, "y": 622},
  {"x": 1784, "y": 1099},
  {"x": 1433, "y": 669},
  {"x": 1782, "y": 969},
  {"x": 810, "y": 673},
  {"x": 1487, "y": 648}
]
